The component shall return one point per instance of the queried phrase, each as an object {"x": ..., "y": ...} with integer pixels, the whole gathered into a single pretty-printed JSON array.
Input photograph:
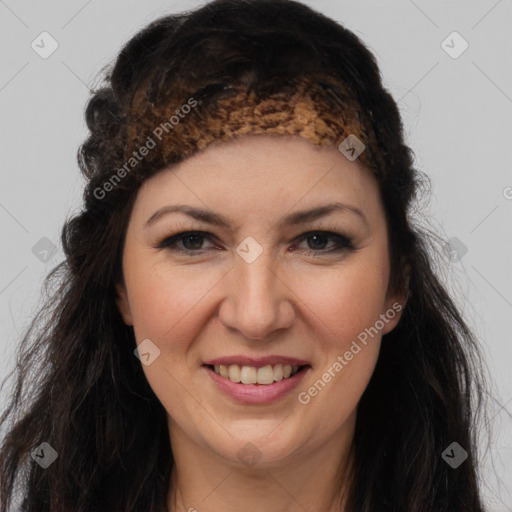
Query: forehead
[{"x": 262, "y": 174}]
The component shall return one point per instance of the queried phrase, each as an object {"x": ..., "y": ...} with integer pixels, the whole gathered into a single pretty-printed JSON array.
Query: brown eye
[
  {"x": 318, "y": 242},
  {"x": 187, "y": 242},
  {"x": 192, "y": 242}
]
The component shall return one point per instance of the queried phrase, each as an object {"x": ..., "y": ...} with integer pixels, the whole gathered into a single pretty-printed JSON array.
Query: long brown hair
[{"x": 79, "y": 387}]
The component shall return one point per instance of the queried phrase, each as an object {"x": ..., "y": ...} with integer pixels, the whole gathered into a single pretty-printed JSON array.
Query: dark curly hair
[{"x": 78, "y": 385}]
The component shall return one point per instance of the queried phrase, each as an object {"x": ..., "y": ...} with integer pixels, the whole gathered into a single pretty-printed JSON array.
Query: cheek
[
  {"x": 343, "y": 308},
  {"x": 165, "y": 302},
  {"x": 168, "y": 307},
  {"x": 343, "y": 302}
]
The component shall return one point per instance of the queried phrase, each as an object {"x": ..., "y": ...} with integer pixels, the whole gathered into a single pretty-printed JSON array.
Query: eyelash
[{"x": 343, "y": 243}]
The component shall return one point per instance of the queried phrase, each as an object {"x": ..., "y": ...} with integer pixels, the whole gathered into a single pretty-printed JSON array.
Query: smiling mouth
[{"x": 264, "y": 375}]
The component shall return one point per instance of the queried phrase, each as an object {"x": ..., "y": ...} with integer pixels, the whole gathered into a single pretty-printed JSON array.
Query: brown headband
[{"x": 179, "y": 129}]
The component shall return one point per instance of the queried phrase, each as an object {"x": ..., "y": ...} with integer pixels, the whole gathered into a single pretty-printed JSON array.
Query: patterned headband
[{"x": 173, "y": 132}]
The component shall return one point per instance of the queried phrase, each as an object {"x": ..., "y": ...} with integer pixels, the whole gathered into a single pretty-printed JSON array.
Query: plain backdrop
[{"x": 455, "y": 96}]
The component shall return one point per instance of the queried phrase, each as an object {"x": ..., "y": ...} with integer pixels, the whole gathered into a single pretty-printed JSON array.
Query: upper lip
[{"x": 256, "y": 361}]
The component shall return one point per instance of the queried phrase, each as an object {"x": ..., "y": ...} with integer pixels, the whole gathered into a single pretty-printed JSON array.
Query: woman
[{"x": 246, "y": 318}]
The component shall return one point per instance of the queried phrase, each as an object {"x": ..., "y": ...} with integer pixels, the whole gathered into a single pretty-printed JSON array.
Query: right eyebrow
[{"x": 206, "y": 216}]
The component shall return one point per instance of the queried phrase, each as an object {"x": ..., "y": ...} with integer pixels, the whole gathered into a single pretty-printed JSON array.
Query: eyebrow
[{"x": 296, "y": 218}]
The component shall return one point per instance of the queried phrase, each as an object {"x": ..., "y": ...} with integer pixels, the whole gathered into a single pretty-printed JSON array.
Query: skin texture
[{"x": 294, "y": 300}]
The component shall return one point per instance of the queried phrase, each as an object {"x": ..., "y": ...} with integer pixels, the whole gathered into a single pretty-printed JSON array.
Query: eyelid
[
  {"x": 329, "y": 234},
  {"x": 342, "y": 241},
  {"x": 172, "y": 240}
]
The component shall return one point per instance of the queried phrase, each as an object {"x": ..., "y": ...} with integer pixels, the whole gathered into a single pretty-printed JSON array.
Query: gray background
[{"x": 457, "y": 114}]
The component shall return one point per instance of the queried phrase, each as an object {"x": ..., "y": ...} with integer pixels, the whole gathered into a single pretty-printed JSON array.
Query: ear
[
  {"x": 394, "y": 306},
  {"x": 123, "y": 305}
]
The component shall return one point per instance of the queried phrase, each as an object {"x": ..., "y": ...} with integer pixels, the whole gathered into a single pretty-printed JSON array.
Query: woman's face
[{"x": 290, "y": 268}]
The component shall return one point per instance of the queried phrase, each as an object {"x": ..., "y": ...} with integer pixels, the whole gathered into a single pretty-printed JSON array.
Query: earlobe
[
  {"x": 395, "y": 304},
  {"x": 391, "y": 316},
  {"x": 123, "y": 305}
]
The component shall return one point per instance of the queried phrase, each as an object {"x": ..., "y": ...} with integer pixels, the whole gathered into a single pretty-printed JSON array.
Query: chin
[{"x": 254, "y": 444}]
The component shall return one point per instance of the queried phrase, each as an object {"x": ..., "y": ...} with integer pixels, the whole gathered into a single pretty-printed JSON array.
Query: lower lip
[{"x": 257, "y": 393}]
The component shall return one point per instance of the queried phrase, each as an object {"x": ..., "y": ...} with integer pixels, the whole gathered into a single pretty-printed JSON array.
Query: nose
[{"x": 257, "y": 302}]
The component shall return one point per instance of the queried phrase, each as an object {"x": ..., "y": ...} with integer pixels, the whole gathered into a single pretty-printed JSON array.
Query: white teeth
[
  {"x": 252, "y": 375},
  {"x": 248, "y": 375},
  {"x": 278, "y": 372},
  {"x": 234, "y": 373},
  {"x": 265, "y": 375}
]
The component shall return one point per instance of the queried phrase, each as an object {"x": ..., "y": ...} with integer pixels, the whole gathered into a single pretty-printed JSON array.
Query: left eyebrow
[
  {"x": 293, "y": 219},
  {"x": 304, "y": 216}
]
